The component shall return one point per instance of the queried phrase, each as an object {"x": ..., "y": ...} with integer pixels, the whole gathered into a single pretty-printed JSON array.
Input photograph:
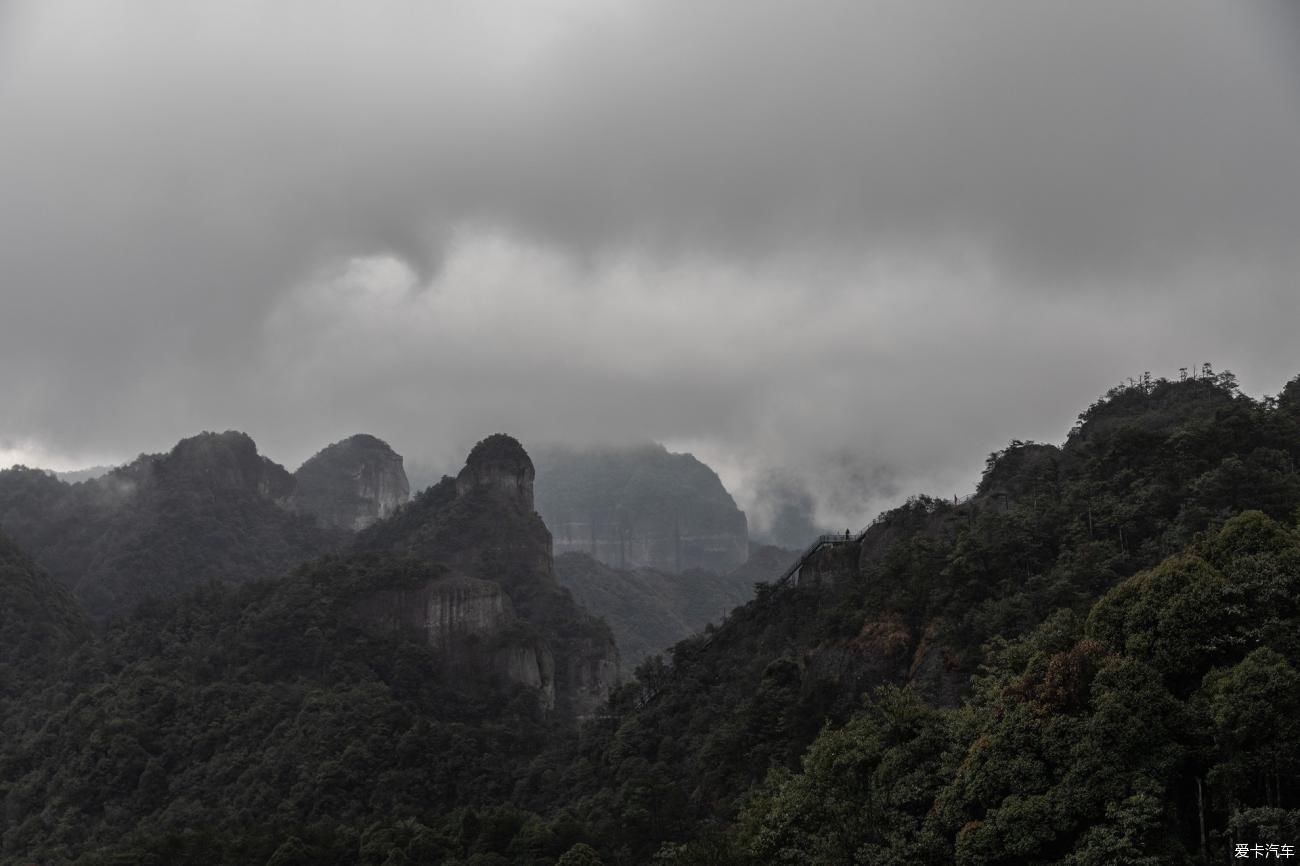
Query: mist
[{"x": 855, "y": 247}]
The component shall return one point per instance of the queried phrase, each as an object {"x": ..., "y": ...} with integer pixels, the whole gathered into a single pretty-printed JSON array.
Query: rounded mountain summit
[
  {"x": 351, "y": 483},
  {"x": 640, "y": 507},
  {"x": 500, "y": 464}
]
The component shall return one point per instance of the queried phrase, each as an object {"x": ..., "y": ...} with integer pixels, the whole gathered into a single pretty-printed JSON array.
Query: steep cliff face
[
  {"x": 590, "y": 672},
  {"x": 473, "y": 626},
  {"x": 351, "y": 483},
  {"x": 446, "y": 611},
  {"x": 533, "y": 665},
  {"x": 481, "y": 526},
  {"x": 641, "y": 508},
  {"x": 499, "y": 467}
]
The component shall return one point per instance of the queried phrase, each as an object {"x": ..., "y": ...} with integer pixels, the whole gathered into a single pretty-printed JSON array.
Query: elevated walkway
[{"x": 791, "y": 575}]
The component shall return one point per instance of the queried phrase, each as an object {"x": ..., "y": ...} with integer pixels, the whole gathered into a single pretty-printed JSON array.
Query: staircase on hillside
[{"x": 791, "y": 575}]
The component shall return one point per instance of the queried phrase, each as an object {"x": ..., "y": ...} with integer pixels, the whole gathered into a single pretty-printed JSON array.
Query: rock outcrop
[
  {"x": 351, "y": 483},
  {"x": 591, "y": 671},
  {"x": 444, "y": 611},
  {"x": 473, "y": 626},
  {"x": 498, "y": 466},
  {"x": 641, "y": 508},
  {"x": 533, "y": 665},
  {"x": 499, "y": 607}
]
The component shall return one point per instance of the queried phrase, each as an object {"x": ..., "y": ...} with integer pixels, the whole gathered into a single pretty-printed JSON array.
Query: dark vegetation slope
[
  {"x": 1085, "y": 663},
  {"x": 1157, "y": 727},
  {"x": 211, "y": 509},
  {"x": 40, "y": 623},
  {"x": 236, "y": 723},
  {"x": 937, "y": 593},
  {"x": 279, "y": 721}
]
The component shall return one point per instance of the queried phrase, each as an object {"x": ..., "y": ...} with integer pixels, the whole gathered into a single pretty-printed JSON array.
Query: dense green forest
[
  {"x": 286, "y": 720},
  {"x": 39, "y": 621},
  {"x": 1092, "y": 660},
  {"x": 239, "y": 722},
  {"x": 210, "y": 509},
  {"x": 941, "y": 595},
  {"x": 1158, "y": 727}
]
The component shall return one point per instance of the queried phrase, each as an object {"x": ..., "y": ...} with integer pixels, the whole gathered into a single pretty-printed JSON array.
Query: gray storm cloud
[{"x": 858, "y": 243}]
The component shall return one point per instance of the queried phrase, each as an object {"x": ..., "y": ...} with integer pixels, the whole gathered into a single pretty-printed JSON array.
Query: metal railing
[{"x": 822, "y": 541}]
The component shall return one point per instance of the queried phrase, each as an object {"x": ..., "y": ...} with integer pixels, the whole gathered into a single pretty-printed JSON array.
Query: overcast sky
[{"x": 859, "y": 244}]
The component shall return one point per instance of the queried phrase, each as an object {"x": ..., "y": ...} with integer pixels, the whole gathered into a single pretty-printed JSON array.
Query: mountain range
[{"x": 1091, "y": 659}]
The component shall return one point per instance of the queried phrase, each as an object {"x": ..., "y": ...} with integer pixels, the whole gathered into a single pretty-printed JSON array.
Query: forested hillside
[
  {"x": 323, "y": 717},
  {"x": 212, "y": 508},
  {"x": 1091, "y": 660},
  {"x": 39, "y": 621},
  {"x": 1159, "y": 727},
  {"x": 238, "y": 722},
  {"x": 948, "y": 601}
]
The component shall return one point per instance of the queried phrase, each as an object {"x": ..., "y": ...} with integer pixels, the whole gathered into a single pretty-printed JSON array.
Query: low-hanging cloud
[{"x": 859, "y": 243}]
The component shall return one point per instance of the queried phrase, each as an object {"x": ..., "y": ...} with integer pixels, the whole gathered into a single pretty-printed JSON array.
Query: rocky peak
[
  {"x": 226, "y": 461},
  {"x": 351, "y": 483},
  {"x": 641, "y": 507},
  {"x": 501, "y": 609},
  {"x": 499, "y": 464}
]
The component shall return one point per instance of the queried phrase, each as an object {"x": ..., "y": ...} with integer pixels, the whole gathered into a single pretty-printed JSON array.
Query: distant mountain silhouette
[{"x": 641, "y": 507}]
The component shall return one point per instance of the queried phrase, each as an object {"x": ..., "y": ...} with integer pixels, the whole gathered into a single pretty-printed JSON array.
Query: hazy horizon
[{"x": 852, "y": 247}]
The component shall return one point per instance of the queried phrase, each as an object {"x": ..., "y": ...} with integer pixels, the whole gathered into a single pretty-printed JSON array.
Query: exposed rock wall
[
  {"x": 464, "y": 607},
  {"x": 641, "y": 508},
  {"x": 591, "y": 673},
  {"x": 469, "y": 621},
  {"x": 497, "y": 470},
  {"x": 529, "y": 664},
  {"x": 653, "y": 541},
  {"x": 445, "y": 611},
  {"x": 504, "y": 612},
  {"x": 351, "y": 483}
]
